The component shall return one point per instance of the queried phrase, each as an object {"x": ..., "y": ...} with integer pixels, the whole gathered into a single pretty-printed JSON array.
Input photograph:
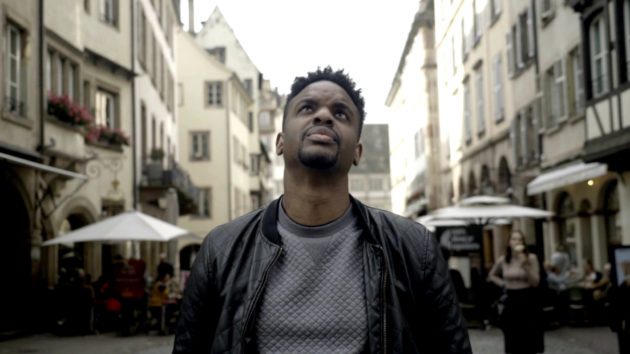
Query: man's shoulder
[{"x": 228, "y": 232}]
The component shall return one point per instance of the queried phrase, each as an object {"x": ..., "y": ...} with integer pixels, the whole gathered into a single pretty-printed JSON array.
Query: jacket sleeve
[
  {"x": 448, "y": 333},
  {"x": 198, "y": 319}
]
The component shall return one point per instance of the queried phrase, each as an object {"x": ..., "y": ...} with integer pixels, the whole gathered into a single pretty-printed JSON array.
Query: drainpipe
[
  {"x": 42, "y": 93},
  {"x": 134, "y": 142},
  {"x": 229, "y": 148}
]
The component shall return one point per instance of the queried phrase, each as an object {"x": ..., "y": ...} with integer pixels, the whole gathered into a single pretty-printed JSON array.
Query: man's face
[{"x": 321, "y": 129}]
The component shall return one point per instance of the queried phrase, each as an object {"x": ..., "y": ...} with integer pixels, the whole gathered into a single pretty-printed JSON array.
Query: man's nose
[{"x": 323, "y": 116}]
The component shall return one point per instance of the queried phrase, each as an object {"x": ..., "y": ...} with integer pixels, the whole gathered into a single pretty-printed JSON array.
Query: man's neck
[{"x": 313, "y": 201}]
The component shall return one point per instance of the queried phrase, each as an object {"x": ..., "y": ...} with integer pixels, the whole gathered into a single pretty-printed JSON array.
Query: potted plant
[{"x": 67, "y": 111}]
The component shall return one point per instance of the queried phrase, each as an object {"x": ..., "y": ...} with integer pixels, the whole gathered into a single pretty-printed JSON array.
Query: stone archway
[
  {"x": 486, "y": 182},
  {"x": 15, "y": 257}
]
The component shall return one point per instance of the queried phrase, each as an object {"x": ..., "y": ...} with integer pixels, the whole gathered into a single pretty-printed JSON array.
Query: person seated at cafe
[{"x": 159, "y": 298}]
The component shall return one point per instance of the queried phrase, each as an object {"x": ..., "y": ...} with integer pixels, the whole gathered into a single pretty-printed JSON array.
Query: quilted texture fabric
[{"x": 315, "y": 305}]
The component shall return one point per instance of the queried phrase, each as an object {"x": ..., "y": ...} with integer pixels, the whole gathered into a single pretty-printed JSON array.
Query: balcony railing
[
  {"x": 175, "y": 177},
  {"x": 15, "y": 106}
]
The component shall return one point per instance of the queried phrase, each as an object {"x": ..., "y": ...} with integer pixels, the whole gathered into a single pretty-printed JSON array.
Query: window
[
  {"x": 530, "y": 32},
  {"x": 61, "y": 64},
  {"x": 205, "y": 202},
  {"x": 265, "y": 119},
  {"x": 599, "y": 68},
  {"x": 356, "y": 184},
  {"x": 577, "y": 87},
  {"x": 154, "y": 54},
  {"x": 143, "y": 133},
  {"x": 558, "y": 94},
  {"x": 142, "y": 38},
  {"x": 250, "y": 121},
  {"x": 419, "y": 143},
  {"x": 467, "y": 130},
  {"x": 546, "y": 10},
  {"x": 200, "y": 146},
  {"x": 497, "y": 88},
  {"x": 48, "y": 71},
  {"x": 510, "y": 53},
  {"x": 481, "y": 124},
  {"x": 72, "y": 81},
  {"x": 376, "y": 184},
  {"x": 496, "y": 7},
  {"x": 86, "y": 5},
  {"x": 14, "y": 71},
  {"x": 105, "y": 108},
  {"x": 478, "y": 20},
  {"x": 214, "y": 93},
  {"x": 153, "y": 127},
  {"x": 109, "y": 9},
  {"x": 162, "y": 135},
  {"x": 254, "y": 162},
  {"x": 86, "y": 94},
  {"x": 248, "y": 87}
]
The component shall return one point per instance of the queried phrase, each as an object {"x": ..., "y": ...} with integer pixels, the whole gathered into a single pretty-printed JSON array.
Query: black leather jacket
[{"x": 411, "y": 305}]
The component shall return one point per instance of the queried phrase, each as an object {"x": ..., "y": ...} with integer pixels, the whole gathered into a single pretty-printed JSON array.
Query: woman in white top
[{"x": 518, "y": 273}]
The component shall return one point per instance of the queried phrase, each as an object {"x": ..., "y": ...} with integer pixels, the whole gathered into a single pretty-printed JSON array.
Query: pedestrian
[
  {"x": 517, "y": 272},
  {"x": 317, "y": 270}
]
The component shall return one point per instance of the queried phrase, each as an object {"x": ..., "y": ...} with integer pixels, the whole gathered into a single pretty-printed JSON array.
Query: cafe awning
[
  {"x": 41, "y": 166},
  {"x": 565, "y": 176}
]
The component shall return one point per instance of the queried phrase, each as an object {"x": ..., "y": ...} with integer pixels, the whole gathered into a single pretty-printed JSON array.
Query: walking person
[
  {"x": 317, "y": 271},
  {"x": 517, "y": 272}
]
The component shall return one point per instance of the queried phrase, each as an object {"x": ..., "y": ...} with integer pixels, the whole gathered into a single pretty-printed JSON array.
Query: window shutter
[
  {"x": 564, "y": 90},
  {"x": 530, "y": 32},
  {"x": 523, "y": 150},
  {"x": 509, "y": 53},
  {"x": 518, "y": 51},
  {"x": 514, "y": 140}
]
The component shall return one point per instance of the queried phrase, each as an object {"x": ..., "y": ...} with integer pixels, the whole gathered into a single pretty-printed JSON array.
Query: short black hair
[{"x": 328, "y": 74}]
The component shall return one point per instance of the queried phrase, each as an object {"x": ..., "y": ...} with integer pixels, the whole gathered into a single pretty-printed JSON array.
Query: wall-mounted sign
[{"x": 460, "y": 239}]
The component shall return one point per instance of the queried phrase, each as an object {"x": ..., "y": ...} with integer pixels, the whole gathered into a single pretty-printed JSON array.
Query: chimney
[{"x": 191, "y": 16}]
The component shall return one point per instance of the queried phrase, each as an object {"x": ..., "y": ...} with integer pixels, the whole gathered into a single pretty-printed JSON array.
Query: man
[{"x": 317, "y": 271}]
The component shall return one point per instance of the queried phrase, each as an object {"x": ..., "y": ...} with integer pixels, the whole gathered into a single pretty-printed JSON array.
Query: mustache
[{"x": 318, "y": 129}]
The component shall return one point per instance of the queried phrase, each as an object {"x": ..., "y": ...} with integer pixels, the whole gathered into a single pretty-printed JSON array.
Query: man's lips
[{"x": 321, "y": 134}]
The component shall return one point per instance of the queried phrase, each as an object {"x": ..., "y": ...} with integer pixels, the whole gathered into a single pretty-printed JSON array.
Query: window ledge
[
  {"x": 106, "y": 146},
  {"x": 18, "y": 120},
  {"x": 553, "y": 130},
  {"x": 576, "y": 119}
]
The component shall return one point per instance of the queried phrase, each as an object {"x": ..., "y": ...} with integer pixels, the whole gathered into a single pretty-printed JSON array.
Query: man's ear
[
  {"x": 279, "y": 144},
  {"x": 358, "y": 151}
]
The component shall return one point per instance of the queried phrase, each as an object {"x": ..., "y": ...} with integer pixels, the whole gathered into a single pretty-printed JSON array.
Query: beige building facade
[
  {"x": 414, "y": 126},
  {"x": 516, "y": 82},
  {"x": 213, "y": 107},
  {"x": 218, "y": 38}
]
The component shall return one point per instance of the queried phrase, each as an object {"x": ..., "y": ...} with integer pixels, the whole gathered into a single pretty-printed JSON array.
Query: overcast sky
[{"x": 288, "y": 38}]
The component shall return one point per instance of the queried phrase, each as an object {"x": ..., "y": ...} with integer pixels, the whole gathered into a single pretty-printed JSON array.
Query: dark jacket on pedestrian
[{"x": 411, "y": 306}]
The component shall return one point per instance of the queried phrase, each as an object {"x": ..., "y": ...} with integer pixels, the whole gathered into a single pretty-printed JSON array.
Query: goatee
[{"x": 318, "y": 161}]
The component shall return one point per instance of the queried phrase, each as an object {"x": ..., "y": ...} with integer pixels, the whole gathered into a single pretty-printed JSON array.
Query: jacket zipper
[
  {"x": 384, "y": 297},
  {"x": 259, "y": 292}
]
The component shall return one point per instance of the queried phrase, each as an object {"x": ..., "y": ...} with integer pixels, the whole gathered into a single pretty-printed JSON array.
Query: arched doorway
[
  {"x": 565, "y": 229},
  {"x": 585, "y": 230},
  {"x": 462, "y": 188},
  {"x": 80, "y": 254},
  {"x": 504, "y": 178},
  {"x": 486, "y": 183},
  {"x": 612, "y": 216},
  {"x": 472, "y": 184},
  {"x": 15, "y": 258}
]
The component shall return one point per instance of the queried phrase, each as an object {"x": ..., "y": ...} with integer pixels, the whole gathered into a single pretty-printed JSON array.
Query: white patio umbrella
[
  {"x": 482, "y": 210},
  {"x": 129, "y": 226}
]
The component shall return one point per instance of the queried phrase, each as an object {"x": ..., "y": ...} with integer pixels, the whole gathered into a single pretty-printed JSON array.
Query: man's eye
[
  {"x": 305, "y": 108},
  {"x": 341, "y": 114}
]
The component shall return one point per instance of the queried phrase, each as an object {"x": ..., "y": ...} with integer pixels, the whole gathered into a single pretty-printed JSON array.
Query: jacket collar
[{"x": 270, "y": 221}]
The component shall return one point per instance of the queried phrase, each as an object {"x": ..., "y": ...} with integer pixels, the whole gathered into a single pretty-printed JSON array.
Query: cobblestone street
[{"x": 597, "y": 340}]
